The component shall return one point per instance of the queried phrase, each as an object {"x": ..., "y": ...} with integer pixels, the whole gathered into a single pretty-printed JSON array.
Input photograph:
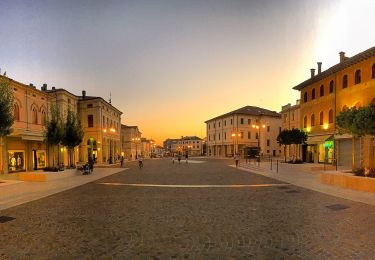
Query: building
[
  {"x": 131, "y": 142},
  {"x": 191, "y": 145},
  {"x": 24, "y": 149},
  {"x": 324, "y": 95},
  {"x": 101, "y": 123},
  {"x": 290, "y": 115},
  {"x": 249, "y": 130}
]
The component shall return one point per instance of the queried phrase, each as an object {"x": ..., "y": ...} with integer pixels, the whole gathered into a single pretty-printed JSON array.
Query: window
[
  {"x": 209, "y": 126},
  {"x": 231, "y": 121},
  {"x": 345, "y": 81},
  {"x": 305, "y": 97},
  {"x": 330, "y": 116},
  {"x": 219, "y": 124},
  {"x": 219, "y": 136},
  {"x": 44, "y": 117},
  {"x": 35, "y": 116},
  {"x": 322, "y": 90},
  {"x": 321, "y": 115},
  {"x": 241, "y": 135},
  {"x": 357, "y": 78},
  {"x": 214, "y": 125},
  {"x": 90, "y": 121},
  {"x": 268, "y": 142},
  {"x": 331, "y": 86},
  {"x": 225, "y": 136},
  {"x": 103, "y": 122},
  {"x": 89, "y": 105},
  {"x": 312, "y": 120},
  {"x": 248, "y": 135},
  {"x": 256, "y": 136},
  {"x": 225, "y": 122},
  {"x": 268, "y": 128},
  {"x": 304, "y": 121},
  {"x": 373, "y": 71},
  {"x": 241, "y": 121},
  {"x": 313, "y": 94},
  {"x": 292, "y": 116},
  {"x": 16, "y": 112}
]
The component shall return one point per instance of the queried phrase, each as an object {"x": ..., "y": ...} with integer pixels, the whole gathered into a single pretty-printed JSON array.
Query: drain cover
[
  {"x": 292, "y": 191},
  {"x": 337, "y": 207},
  {"x": 4, "y": 219}
]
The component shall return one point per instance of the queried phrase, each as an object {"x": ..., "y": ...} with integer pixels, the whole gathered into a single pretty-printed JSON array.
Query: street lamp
[
  {"x": 258, "y": 128},
  {"x": 235, "y": 142},
  {"x": 135, "y": 140}
]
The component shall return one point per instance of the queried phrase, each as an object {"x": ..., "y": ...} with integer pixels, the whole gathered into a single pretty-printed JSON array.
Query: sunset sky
[{"x": 171, "y": 65}]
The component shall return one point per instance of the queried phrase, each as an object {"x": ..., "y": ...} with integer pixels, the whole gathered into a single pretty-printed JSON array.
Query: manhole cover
[
  {"x": 283, "y": 188},
  {"x": 337, "y": 207},
  {"x": 4, "y": 219},
  {"x": 292, "y": 191}
]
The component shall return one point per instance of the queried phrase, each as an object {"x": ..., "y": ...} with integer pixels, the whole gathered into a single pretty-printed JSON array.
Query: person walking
[
  {"x": 91, "y": 165},
  {"x": 140, "y": 162},
  {"x": 186, "y": 157},
  {"x": 179, "y": 158},
  {"x": 236, "y": 159},
  {"x": 122, "y": 161}
]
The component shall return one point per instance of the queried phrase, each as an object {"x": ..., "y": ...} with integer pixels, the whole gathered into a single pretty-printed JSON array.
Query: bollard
[
  {"x": 277, "y": 166},
  {"x": 271, "y": 164}
]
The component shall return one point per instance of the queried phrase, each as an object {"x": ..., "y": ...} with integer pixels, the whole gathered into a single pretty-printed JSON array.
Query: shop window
[
  {"x": 313, "y": 94},
  {"x": 322, "y": 90},
  {"x": 40, "y": 159},
  {"x": 321, "y": 118},
  {"x": 357, "y": 78},
  {"x": 330, "y": 116},
  {"x": 305, "y": 97},
  {"x": 90, "y": 121},
  {"x": 16, "y": 112},
  {"x": 34, "y": 116},
  {"x": 345, "y": 81},
  {"x": 331, "y": 86},
  {"x": 16, "y": 160},
  {"x": 312, "y": 120}
]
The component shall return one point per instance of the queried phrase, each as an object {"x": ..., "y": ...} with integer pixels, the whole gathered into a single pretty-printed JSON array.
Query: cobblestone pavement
[{"x": 96, "y": 221}]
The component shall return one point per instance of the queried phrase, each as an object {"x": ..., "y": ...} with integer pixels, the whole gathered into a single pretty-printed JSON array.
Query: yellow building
[
  {"x": 131, "y": 142},
  {"x": 24, "y": 148},
  {"x": 349, "y": 83},
  {"x": 246, "y": 131},
  {"x": 102, "y": 128}
]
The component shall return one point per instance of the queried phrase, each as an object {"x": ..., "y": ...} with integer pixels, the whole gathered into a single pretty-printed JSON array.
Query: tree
[
  {"x": 6, "y": 115},
  {"x": 347, "y": 123},
  {"x": 284, "y": 138},
  {"x": 54, "y": 132},
  {"x": 297, "y": 137},
  {"x": 73, "y": 133}
]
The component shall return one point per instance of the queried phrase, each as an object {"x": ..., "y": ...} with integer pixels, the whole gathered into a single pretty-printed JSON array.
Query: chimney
[
  {"x": 44, "y": 87},
  {"x": 312, "y": 72},
  {"x": 53, "y": 88},
  {"x": 32, "y": 85},
  {"x": 83, "y": 93},
  {"x": 342, "y": 56},
  {"x": 319, "y": 68}
]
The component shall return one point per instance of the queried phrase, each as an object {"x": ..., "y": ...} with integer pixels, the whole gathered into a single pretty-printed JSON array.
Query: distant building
[
  {"x": 191, "y": 145},
  {"x": 246, "y": 131},
  {"x": 131, "y": 142},
  {"x": 324, "y": 95},
  {"x": 290, "y": 115}
]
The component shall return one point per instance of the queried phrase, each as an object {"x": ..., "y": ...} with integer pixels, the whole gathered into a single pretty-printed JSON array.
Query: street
[{"x": 197, "y": 210}]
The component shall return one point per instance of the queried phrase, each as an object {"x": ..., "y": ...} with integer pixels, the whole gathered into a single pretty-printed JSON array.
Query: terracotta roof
[
  {"x": 338, "y": 67},
  {"x": 249, "y": 110}
]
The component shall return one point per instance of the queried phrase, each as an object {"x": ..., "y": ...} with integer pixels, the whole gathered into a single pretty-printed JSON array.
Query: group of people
[{"x": 179, "y": 158}]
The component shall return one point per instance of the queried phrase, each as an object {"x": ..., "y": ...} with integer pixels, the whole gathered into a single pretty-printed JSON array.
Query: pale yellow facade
[{"x": 131, "y": 142}]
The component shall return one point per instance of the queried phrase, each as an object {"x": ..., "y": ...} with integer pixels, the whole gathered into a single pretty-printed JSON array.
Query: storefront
[{"x": 319, "y": 149}]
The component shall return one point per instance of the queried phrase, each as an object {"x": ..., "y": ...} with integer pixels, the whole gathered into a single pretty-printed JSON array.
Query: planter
[{"x": 348, "y": 182}]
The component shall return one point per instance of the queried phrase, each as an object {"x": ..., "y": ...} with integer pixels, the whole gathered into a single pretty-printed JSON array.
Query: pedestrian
[
  {"x": 173, "y": 159},
  {"x": 122, "y": 161},
  {"x": 236, "y": 159},
  {"x": 140, "y": 162},
  {"x": 186, "y": 157},
  {"x": 91, "y": 165},
  {"x": 179, "y": 158}
]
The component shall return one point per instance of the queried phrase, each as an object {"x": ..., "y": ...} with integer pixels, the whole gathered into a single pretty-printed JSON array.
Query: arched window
[
  {"x": 322, "y": 90},
  {"x": 304, "y": 121},
  {"x": 16, "y": 112},
  {"x": 331, "y": 86},
  {"x": 373, "y": 71},
  {"x": 305, "y": 97},
  {"x": 321, "y": 118},
  {"x": 357, "y": 78},
  {"x": 312, "y": 120},
  {"x": 330, "y": 116},
  {"x": 35, "y": 116},
  {"x": 43, "y": 118},
  {"x": 313, "y": 94},
  {"x": 345, "y": 81}
]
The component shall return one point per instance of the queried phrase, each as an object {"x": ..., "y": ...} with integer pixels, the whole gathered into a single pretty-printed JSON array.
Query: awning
[
  {"x": 343, "y": 136},
  {"x": 319, "y": 139}
]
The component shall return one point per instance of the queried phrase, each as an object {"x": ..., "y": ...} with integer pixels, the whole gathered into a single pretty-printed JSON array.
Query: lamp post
[
  {"x": 235, "y": 142},
  {"x": 135, "y": 140},
  {"x": 258, "y": 128}
]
